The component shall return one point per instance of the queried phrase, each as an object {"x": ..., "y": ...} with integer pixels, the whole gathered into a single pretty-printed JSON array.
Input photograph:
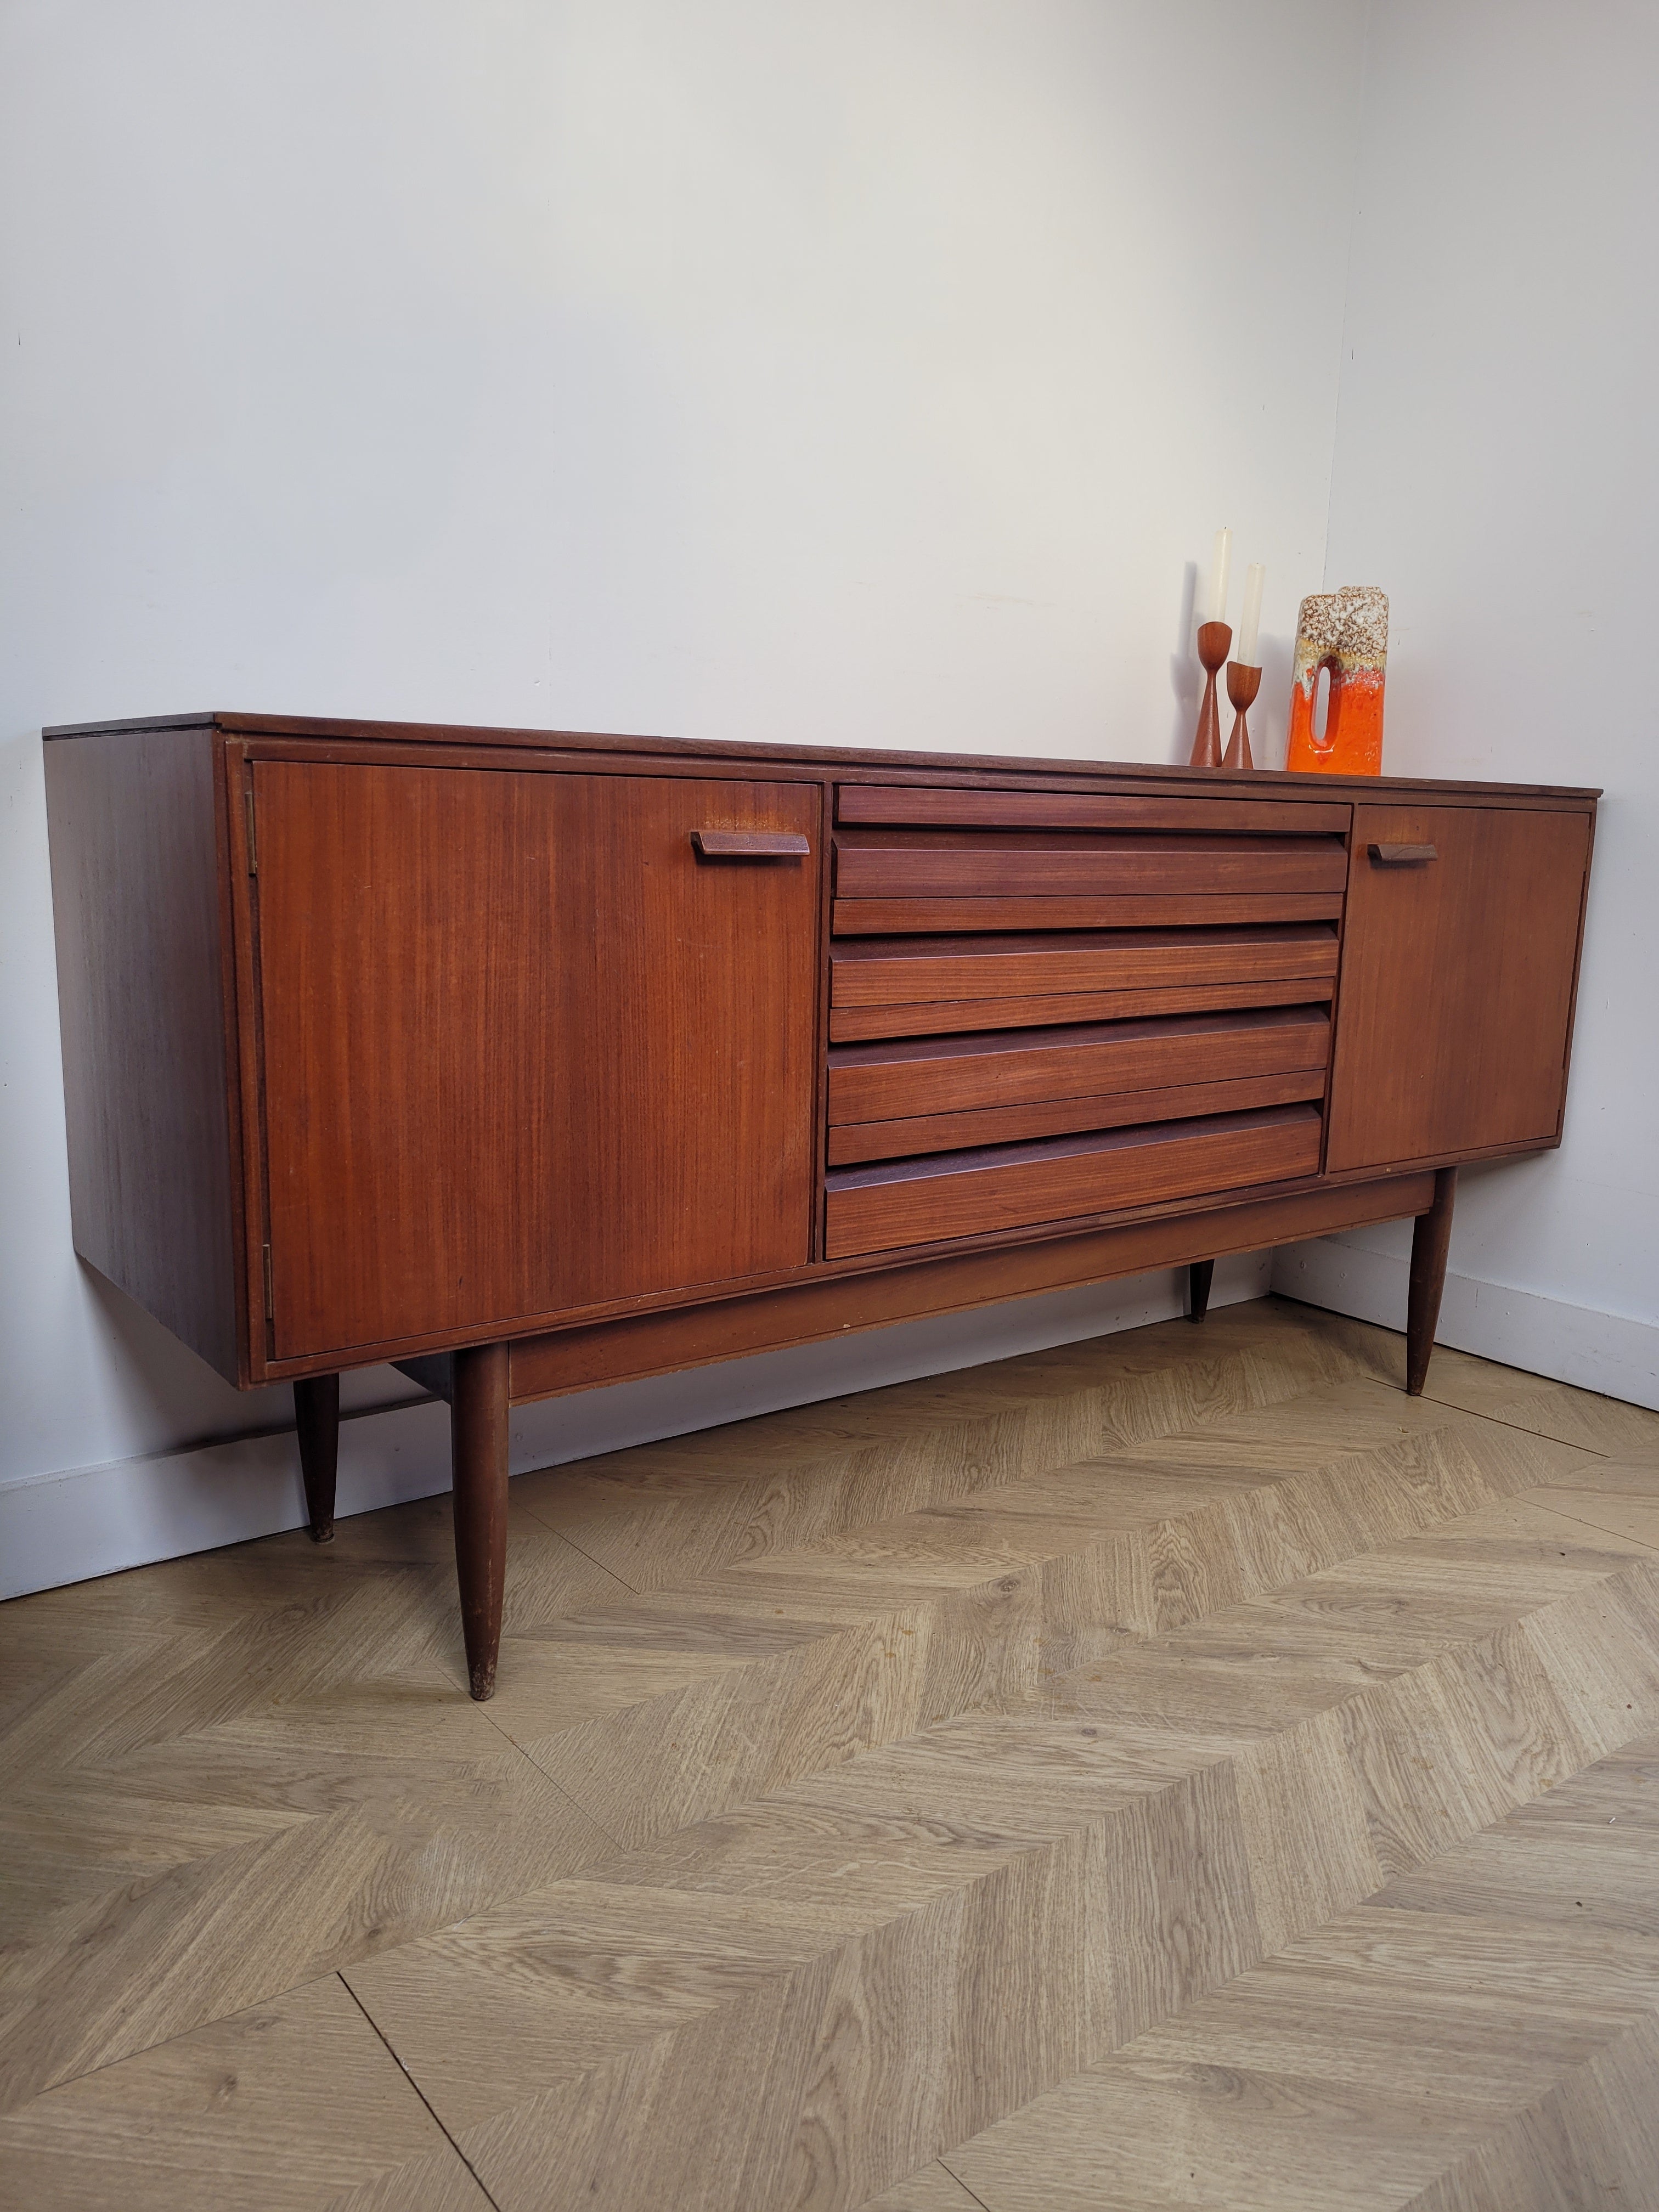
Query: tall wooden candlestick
[
  {"x": 1213, "y": 639},
  {"x": 1244, "y": 683}
]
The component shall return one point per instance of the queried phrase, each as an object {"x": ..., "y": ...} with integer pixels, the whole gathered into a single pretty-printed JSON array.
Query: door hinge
[
  {"x": 270, "y": 1295},
  {"x": 252, "y": 849}
]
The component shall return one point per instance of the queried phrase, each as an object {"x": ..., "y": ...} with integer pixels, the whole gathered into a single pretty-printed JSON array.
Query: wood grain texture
[
  {"x": 1481, "y": 2036},
  {"x": 907, "y": 803},
  {"x": 933, "y": 1752},
  {"x": 133, "y": 826},
  {"x": 899, "y": 971},
  {"x": 889, "y": 863},
  {"x": 946, "y": 917},
  {"x": 1099, "y": 1869},
  {"x": 1046, "y": 1009},
  {"x": 876, "y": 1083},
  {"x": 609, "y": 1352},
  {"x": 292, "y": 2105},
  {"x": 1457, "y": 983},
  {"x": 885, "y": 1208},
  {"x": 449, "y": 1148},
  {"x": 966, "y": 771},
  {"x": 1007, "y": 1125}
]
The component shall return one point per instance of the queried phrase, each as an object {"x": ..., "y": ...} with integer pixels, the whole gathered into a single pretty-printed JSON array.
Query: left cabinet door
[{"x": 523, "y": 1051}]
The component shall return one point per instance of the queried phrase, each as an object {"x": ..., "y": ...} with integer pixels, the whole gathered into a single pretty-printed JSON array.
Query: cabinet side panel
[{"x": 135, "y": 885}]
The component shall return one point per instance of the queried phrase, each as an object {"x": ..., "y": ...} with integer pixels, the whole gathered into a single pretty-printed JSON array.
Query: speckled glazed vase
[{"x": 1347, "y": 633}]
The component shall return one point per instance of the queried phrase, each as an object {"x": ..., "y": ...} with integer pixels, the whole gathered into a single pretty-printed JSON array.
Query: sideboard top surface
[{"x": 1137, "y": 774}]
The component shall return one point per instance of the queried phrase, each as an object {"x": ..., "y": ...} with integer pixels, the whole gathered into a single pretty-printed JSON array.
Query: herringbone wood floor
[{"x": 1176, "y": 1770}]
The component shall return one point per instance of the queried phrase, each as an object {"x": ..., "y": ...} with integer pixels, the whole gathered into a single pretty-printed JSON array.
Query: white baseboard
[
  {"x": 1606, "y": 1353},
  {"x": 65, "y": 1528}
]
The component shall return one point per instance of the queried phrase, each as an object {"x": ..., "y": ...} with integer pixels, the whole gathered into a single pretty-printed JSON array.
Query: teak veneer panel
[
  {"x": 137, "y": 898},
  {"x": 1457, "y": 983},
  {"x": 943, "y": 1018},
  {"x": 767, "y": 1321},
  {"x": 901, "y": 971},
  {"x": 970, "y": 1194},
  {"x": 874, "y": 1083},
  {"x": 946, "y": 917},
  {"x": 588, "y": 1073},
  {"x": 919, "y": 804},
  {"x": 1009, "y": 1125},
  {"x": 888, "y": 864}
]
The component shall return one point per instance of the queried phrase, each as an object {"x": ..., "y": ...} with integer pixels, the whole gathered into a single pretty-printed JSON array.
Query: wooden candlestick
[
  {"x": 1244, "y": 683},
  {"x": 1213, "y": 639}
]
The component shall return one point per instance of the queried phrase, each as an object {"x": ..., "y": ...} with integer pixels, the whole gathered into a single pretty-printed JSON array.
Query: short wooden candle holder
[
  {"x": 1244, "y": 683},
  {"x": 1214, "y": 638}
]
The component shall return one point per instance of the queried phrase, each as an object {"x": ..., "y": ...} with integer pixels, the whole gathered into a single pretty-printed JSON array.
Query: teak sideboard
[{"x": 533, "y": 1062}]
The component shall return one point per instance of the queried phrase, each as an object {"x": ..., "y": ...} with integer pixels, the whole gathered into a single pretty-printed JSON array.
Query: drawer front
[
  {"x": 951, "y": 1017},
  {"x": 883, "y": 1209},
  {"x": 951, "y": 917},
  {"x": 905, "y": 971},
  {"x": 963, "y": 864},
  {"x": 1007, "y": 1125},
  {"x": 922, "y": 805},
  {"x": 876, "y": 1083}
]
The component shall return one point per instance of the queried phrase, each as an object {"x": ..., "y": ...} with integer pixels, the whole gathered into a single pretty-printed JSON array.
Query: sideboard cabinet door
[
  {"x": 1455, "y": 1000},
  {"x": 523, "y": 1050}
]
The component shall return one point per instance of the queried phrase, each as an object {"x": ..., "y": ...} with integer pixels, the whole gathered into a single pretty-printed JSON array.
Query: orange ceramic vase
[{"x": 1346, "y": 632}]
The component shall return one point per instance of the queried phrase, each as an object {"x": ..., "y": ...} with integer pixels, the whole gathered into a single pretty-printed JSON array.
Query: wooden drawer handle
[
  {"x": 1402, "y": 856},
  {"x": 748, "y": 844}
]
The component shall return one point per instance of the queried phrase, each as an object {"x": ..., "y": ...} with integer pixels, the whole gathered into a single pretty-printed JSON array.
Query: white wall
[
  {"x": 867, "y": 373},
  {"x": 1497, "y": 469}
]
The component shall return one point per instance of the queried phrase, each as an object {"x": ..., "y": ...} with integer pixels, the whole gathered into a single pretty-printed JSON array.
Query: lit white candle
[
  {"x": 1249, "y": 622},
  {"x": 1215, "y": 607}
]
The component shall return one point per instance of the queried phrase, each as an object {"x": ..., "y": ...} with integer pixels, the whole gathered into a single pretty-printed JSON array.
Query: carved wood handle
[
  {"x": 1402, "y": 856},
  {"x": 748, "y": 844}
]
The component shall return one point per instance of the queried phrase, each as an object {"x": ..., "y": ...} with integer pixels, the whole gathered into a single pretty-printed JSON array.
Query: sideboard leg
[
  {"x": 477, "y": 1436},
  {"x": 317, "y": 1418},
  {"x": 1198, "y": 1277},
  {"x": 1431, "y": 1242}
]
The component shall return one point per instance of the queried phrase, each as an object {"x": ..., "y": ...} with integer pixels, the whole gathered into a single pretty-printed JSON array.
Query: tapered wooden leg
[
  {"x": 1431, "y": 1242},
  {"x": 1200, "y": 1276},
  {"x": 317, "y": 1418},
  {"x": 477, "y": 1438}
]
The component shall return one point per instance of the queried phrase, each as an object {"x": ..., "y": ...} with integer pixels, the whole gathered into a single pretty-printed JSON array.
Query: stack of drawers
[{"x": 1047, "y": 1004}]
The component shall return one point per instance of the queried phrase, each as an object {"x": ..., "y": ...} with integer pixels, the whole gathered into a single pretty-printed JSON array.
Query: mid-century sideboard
[{"x": 533, "y": 1062}]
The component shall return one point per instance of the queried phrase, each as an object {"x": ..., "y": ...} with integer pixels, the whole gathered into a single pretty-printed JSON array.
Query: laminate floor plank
[
  {"x": 930, "y": 2189},
  {"x": 1116, "y": 1872},
  {"x": 992, "y": 1599},
  {"x": 1551, "y": 1409},
  {"x": 293, "y": 2106},
  {"x": 1480, "y": 2035},
  {"x": 862, "y": 1778}
]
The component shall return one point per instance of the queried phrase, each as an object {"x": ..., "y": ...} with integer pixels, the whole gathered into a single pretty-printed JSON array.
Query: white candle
[
  {"x": 1215, "y": 607},
  {"x": 1250, "y": 621}
]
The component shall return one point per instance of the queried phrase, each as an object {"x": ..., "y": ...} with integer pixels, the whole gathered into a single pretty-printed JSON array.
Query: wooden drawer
[
  {"x": 887, "y": 864},
  {"x": 944, "y": 1075},
  {"x": 1052, "y": 1117},
  {"x": 948, "y": 917},
  {"x": 922, "y": 805},
  {"x": 898, "y": 971},
  {"x": 882, "y": 1209},
  {"x": 950, "y": 1017}
]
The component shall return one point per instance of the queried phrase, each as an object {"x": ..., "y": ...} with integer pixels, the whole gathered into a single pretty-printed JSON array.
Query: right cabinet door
[{"x": 1456, "y": 999}]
